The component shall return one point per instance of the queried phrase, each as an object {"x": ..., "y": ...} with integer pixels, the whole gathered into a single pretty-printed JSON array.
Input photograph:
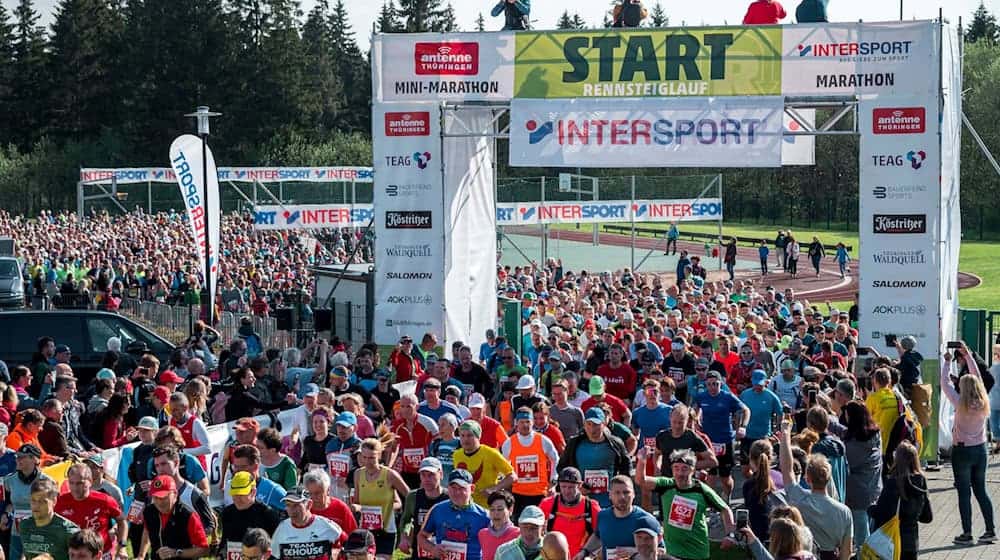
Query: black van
[{"x": 85, "y": 332}]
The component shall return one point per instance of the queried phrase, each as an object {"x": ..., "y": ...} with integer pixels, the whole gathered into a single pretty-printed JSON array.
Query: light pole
[
  {"x": 202, "y": 114},
  {"x": 900, "y": 10}
]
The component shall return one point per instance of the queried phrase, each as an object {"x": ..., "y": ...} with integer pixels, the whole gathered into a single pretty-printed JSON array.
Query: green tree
[
  {"x": 84, "y": 88},
  {"x": 448, "y": 23},
  {"x": 421, "y": 15},
  {"x": 480, "y": 23},
  {"x": 388, "y": 18},
  {"x": 324, "y": 91},
  {"x": 658, "y": 16},
  {"x": 27, "y": 101},
  {"x": 352, "y": 68},
  {"x": 565, "y": 21},
  {"x": 578, "y": 22},
  {"x": 7, "y": 76},
  {"x": 983, "y": 27}
]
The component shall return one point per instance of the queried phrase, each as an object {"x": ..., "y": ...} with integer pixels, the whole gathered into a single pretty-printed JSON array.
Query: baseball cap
[
  {"x": 759, "y": 377},
  {"x": 476, "y": 401},
  {"x": 161, "y": 393},
  {"x": 595, "y": 415},
  {"x": 570, "y": 474},
  {"x": 162, "y": 485},
  {"x": 242, "y": 484},
  {"x": 430, "y": 464},
  {"x": 460, "y": 477},
  {"x": 346, "y": 419},
  {"x": 714, "y": 375},
  {"x": 60, "y": 348},
  {"x": 170, "y": 377},
  {"x": 339, "y": 371},
  {"x": 105, "y": 373},
  {"x": 148, "y": 423},
  {"x": 525, "y": 382},
  {"x": 472, "y": 426},
  {"x": 596, "y": 386},
  {"x": 647, "y": 524},
  {"x": 30, "y": 449},
  {"x": 311, "y": 390},
  {"x": 246, "y": 423},
  {"x": 787, "y": 364},
  {"x": 96, "y": 459},
  {"x": 360, "y": 540},
  {"x": 432, "y": 384},
  {"x": 297, "y": 494},
  {"x": 702, "y": 362},
  {"x": 532, "y": 515}
]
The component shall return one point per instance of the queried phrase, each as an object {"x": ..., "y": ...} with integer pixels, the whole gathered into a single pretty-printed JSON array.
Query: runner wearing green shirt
[
  {"x": 46, "y": 532},
  {"x": 684, "y": 504},
  {"x": 277, "y": 467}
]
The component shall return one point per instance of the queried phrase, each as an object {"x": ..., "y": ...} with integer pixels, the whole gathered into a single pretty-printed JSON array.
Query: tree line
[{"x": 108, "y": 83}]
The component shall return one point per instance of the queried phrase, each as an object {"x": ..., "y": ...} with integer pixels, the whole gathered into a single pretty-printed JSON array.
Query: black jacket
[
  {"x": 623, "y": 465},
  {"x": 915, "y": 508}
]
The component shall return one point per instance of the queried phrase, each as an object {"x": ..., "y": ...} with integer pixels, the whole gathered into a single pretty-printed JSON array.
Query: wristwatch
[{"x": 177, "y": 553}]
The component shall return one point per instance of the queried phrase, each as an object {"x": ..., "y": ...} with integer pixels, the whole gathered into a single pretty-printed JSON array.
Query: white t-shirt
[{"x": 315, "y": 541}]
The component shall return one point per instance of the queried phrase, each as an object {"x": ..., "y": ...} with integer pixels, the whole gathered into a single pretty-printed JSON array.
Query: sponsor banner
[
  {"x": 409, "y": 221},
  {"x": 681, "y": 62},
  {"x": 798, "y": 150},
  {"x": 899, "y": 220},
  {"x": 461, "y": 66},
  {"x": 312, "y": 216},
  {"x": 848, "y": 58},
  {"x": 237, "y": 174},
  {"x": 609, "y": 211},
  {"x": 702, "y": 132},
  {"x": 193, "y": 164}
]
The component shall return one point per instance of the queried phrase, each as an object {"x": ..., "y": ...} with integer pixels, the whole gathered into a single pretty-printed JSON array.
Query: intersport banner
[
  {"x": 682, "y": 62},
  {"x": 682, "y": 132},
  {"x": 608, "y": 211},
  {"x": 259, "y": 174},
  {"x": 187, "y": 159},
  {"x": 312, "y": 216},
  {"x": 409, "y": 221},
  {"x": 899, "y": 218}
]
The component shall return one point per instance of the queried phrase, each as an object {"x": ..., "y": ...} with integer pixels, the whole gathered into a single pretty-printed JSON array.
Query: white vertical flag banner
[{"x": 186, "y": 159}]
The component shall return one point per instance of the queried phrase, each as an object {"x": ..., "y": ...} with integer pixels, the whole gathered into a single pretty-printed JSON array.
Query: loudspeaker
[
  {"x": 283, "y": 315},
  {"x": 322, "y": 320}
]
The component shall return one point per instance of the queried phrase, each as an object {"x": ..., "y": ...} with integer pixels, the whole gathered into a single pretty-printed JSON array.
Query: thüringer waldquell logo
[{"x": 537, "y": 132}]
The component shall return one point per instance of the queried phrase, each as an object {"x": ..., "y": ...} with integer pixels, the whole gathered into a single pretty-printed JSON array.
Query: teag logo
[
  {"x": 536, "y": 132},
  {"x": 446, "y": 59},
  {"x": 916, "y": 158},
  {"x": 422, "y": 159}
]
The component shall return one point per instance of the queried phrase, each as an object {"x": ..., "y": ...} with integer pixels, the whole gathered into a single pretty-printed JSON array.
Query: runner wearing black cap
[
  {"x": 569, "y": 512},
  {"x": 360, "y": 545}
]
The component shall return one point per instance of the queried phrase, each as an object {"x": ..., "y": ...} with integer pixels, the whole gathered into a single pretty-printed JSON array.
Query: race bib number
[
  {"x": 621, "y": 553},
  {"x": 682, "y": 512},
  {"x": 719, "y": 449},
  {"x": 412, "y": 457},
  {"x": 453, "y": 550},
  {"x": 234, "y": 550},
  {"x": 650, "y": 443},
  {"x": 135, "y": 511},
  {"x": 339, "y": 464},
  {"x": 527, "y": 468},
  {"x": 371, "y": 518},
  {"x": 677, "y": 374},
  {"x": 597, "y": 480}
]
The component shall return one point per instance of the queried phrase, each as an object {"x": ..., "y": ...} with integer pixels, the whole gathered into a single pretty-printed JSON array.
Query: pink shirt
[
  {"x": 969, "y": 427},
  {"x": 490, "y": 541}
]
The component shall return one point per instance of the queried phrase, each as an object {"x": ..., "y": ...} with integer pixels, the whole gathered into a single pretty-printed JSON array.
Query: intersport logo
[
  {"x": 899, "y": 283},
  {"x": 636, "y": 132},
  {"x": 905, "y": 120},
  {"x": 899, "y": 223},
  {"x": 408, "y": 124},
  {"x": 446, "y": 59}
]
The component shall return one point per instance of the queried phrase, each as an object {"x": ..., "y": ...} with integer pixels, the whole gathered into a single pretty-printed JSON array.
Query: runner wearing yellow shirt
[
  {"x": 882, "y": 404},
  {"x": 490, "y": 470}
]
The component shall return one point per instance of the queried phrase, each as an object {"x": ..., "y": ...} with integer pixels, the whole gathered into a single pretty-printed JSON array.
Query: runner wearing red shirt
[
  {"x": 619, "y": 377},
  {"x": 727, "y": 358},
  {"x": 402, "y": 362},
  {"x": 414, "y": 433},
  {"x": 93, "y": 510},
  {"x": 764, "y": 12},
  {"x": 619, "y": 410},
  {"x": 571, "y": 516},
  {"x": 317, "y": 483}
]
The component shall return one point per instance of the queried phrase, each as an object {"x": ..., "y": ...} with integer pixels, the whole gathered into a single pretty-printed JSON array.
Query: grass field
[{"x": 979, "y": 257}]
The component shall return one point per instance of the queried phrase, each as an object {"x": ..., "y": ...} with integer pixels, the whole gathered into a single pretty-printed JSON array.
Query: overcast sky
[{"x": 691, "y": 12}]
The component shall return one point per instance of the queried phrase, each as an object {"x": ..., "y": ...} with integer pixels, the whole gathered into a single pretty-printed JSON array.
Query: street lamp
[
  {"x": 203, "y": 114},
  {"x": 900, "y": 10}
]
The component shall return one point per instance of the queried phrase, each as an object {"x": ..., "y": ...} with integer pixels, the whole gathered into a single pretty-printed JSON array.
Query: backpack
[
  {"x": 588, "y": 516},
  {"x": 630, "y": 14},
  {"x": 904, "y": 429}
]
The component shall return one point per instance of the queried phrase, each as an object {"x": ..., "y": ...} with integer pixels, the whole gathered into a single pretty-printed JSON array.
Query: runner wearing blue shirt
[
  {"x": 616, "y": 524},
  {"x": 716, "y": 410},
  {"x": 454, "y": 525},
  {"x": 764, "y": 405},
  {"x": 649, "y": 420}
]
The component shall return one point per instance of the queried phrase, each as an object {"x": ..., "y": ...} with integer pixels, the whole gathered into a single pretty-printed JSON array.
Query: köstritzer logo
[
  {"x": 408, "y": 124},
  {"x": 899, "y": 223},
  {"x": 422, "y": 159},
  {"x": 446, "y": 59},
  {"x": 408, "y": 219},
  {"x": 537, "y": 133},
  {"x": 905, "y": 120},
  {"x": 916, "y": 158}
]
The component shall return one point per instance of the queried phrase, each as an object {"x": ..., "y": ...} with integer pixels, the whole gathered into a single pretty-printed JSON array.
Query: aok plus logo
[
  {"x": 914, "y": 158},
  {"x": 906, "y": 120},
  {"x": 446, "y": 59},
  {"x": 408, "y": 124},
  {"x": 899, "y": 223}
]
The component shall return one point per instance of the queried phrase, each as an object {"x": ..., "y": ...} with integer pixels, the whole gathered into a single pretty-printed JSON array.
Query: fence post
[
  {"x": 545, "y": 230},
  {"x": 631, "y": 203}
]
